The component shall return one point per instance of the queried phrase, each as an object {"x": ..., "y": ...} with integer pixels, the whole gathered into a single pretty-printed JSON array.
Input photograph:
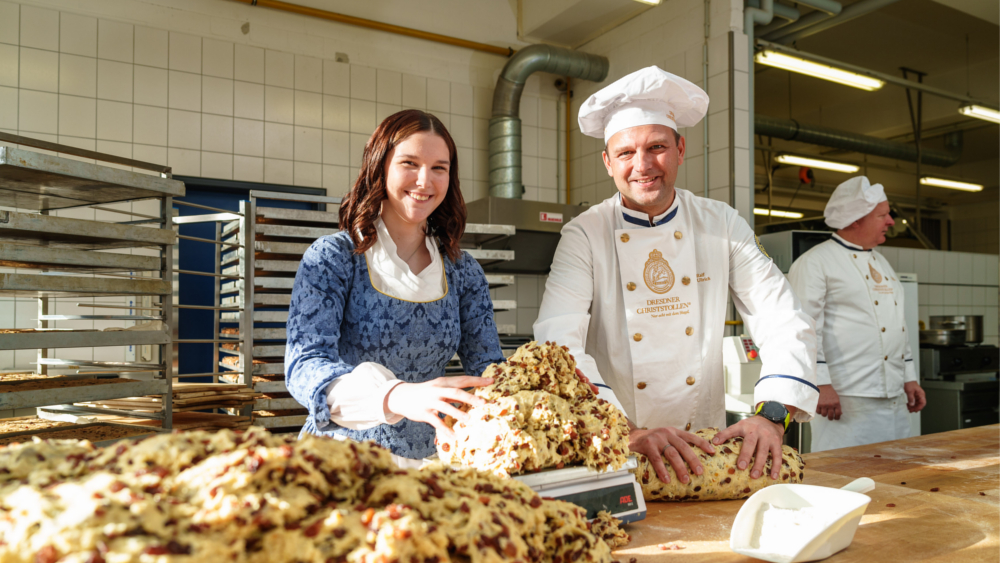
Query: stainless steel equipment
[
  {"x": 785, "y": 247},
  {"x": 971, "y": 324},
  {"x": 537, "y": 225},
  {"x": 961, "y": 385},
  {"x": 940, "y": 337}
]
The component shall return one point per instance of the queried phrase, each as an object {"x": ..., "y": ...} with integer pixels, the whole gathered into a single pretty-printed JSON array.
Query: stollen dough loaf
[
  {"x": 608, "y": 528},
  {"x": 539, "y": 414},
  {"x": 254, "y": 497},
  {"x": 722, "y": 480}
]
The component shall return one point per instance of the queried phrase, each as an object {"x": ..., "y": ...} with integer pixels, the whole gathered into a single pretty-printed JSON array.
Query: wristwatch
[{"x": 775, "y": 412}]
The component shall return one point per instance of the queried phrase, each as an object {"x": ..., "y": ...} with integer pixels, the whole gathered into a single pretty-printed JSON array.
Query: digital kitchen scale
[{"x": 615, "y": 491}]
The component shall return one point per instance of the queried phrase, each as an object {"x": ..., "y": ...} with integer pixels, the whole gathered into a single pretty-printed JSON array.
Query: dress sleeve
[
  {"x": 775, "y": 318},
  {"x": 312, "y": 356},
  {"x": 357, "y": 399},
  {"x": 564, "y": 317},
  {"x": 809, "y": 284},
  {"x": 480, "y": 344}
]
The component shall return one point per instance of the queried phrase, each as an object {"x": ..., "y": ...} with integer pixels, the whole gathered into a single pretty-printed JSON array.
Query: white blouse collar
[{"x": 392, "y": 276}]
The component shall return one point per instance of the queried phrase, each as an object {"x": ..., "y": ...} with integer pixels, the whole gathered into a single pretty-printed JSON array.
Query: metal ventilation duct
[
  {"x": 505, "y": 125},
  {"x": 791, "y": 130}
]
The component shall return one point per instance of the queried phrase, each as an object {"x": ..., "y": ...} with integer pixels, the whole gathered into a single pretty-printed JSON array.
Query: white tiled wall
[
  {"x": 975, "y": 228},
  {"x": 953, "y": 283}
]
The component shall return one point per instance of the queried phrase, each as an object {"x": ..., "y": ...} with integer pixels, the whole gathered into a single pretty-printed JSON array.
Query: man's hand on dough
[
  {"x": 760, "y": 438},
  {"x": 829, "y": 403},
  {"x": 422, "y": 402},
  {"x": 672, "y": 443},
  {"x": 584, "y": 379}
]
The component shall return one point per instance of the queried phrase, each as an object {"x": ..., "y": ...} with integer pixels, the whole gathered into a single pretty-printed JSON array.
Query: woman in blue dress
[{"x": 380, "y": 307}]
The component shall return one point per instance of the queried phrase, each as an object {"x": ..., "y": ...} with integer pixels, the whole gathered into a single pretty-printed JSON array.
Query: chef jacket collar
[
  {"x": 642, "y": 219},
  {"x": 849, "y": 245}
]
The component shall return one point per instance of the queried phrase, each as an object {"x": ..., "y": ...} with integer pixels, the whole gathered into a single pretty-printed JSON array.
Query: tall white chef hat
[
  {"x": 650, "y": 96},
  {"x": 851, "y": 201}
]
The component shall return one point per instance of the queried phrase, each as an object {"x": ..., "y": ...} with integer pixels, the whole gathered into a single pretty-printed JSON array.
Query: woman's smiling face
[{"x": 417, "y": 178}]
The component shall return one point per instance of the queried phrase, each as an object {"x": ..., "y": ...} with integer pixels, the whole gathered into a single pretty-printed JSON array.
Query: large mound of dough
[
  {"x": 260, "y": 498},
  {"x": 722, "y": 480},
  {"x": 607, "y": 527},
  {"x": 539, "y": 414}
]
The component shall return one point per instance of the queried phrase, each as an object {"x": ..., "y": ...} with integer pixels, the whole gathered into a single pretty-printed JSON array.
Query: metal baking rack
[{"x": 57, "y": 258}]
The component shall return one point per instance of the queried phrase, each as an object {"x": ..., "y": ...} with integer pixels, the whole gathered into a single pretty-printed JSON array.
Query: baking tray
[
  {"x": 279, "y": 421},
  {"x": 81, "y": 339},
  {"x": 43, "y": 432},
  {"x": 504, "y": 305},
  {"x": 277, "y": 247},
  {"x": 259, "y": 283},
  {"x": 64, "y": 259},
  {"x": 276, "y": 404},
  {"x": 272, "y": 214},
  {"x": 258, "y": 317},
  {"x": 489, "y": 257},
  {"x": 81, "y": 234},
  {"x": 263, "y": 351},
  {"x": 265, "y": 266},
  {"x": 68, "y": 395},
  {"x": 40, "y": 285},
  {"x": 31, "y": 180},
  {"x": 261, "y": 334},
  {"x": 499, "y": 280},
  {"x": 265, "y": 299},
  {"x": 275, "y": 368},
  {"x": 481, "y": 233}
]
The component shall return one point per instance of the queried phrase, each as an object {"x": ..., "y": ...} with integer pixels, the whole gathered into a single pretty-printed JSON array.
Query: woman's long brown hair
[{"x": 361, "y": 207}]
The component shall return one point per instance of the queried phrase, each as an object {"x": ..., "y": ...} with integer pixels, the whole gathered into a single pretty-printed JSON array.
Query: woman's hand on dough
[
  {"x": 422, "y": 402},
  {"x": 586, "y": 380},
  {"x": 674, "y": 444},
  {"x": 761, "y": 437}
]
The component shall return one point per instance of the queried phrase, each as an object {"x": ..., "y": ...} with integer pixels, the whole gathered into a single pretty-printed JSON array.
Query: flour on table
[{"x": 785, "y": 531}]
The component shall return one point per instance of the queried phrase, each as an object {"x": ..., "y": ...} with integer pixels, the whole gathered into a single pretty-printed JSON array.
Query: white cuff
[
  {"x": 822, "y": 374},
  {"x": 356, "y": 399},
  {"x": 909, "y": 372}
]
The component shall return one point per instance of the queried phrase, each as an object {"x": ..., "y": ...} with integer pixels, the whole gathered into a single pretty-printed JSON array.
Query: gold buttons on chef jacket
[
  {"x": 641, "y": 385},
  {"x": 637, "y": 337},
  {"x": 678, "y": 235},
  {"x": 887, "y": 358},
  {"x": 630, "y": 286},
  {"x": 876, "y": 302},
  {"x": 866, "y": 276},
  {"x": 689, "y": 331},
  {"x": 688, "y": 427},
  {"x": 883, "y": 329},
  {"x": 685, "y": 280},
  {"x": 855, "y": 255},
  {"x": 624, "y": 237},
  {"x": 689, "y": 381}
]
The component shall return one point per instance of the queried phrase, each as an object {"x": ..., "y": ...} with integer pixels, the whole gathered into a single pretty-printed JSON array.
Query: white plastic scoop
[{"x": 797, "y": 523}]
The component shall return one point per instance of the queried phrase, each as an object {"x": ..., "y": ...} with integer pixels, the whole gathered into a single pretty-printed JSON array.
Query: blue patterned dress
[{"x": 337, "y": 320}]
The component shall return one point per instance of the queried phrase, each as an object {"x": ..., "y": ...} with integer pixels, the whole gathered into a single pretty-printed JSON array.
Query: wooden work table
[{"x": 959, "y": 521}]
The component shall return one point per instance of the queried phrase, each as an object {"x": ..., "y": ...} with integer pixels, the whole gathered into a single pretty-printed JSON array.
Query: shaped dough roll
[{"x": 722, "y": 480}]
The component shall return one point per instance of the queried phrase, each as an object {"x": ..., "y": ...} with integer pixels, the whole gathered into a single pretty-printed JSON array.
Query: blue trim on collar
[
  {"x": 792, "y": 377},
  {"x": 641, "y": 223},
  {"x": 602, "y": 385},
  {"x": 834, "y": 239}
]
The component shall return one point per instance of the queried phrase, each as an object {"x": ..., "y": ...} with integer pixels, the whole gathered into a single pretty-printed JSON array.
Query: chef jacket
[
  {"x": 857, "y": 301},
  {"x": 642, "y": 304}
]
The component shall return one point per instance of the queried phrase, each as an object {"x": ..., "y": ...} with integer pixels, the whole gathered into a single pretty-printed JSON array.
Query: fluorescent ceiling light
[
  {"x": 826, "y": 72},
  {"x": 650, "y": 2},
  {"x": 777, "y": 213},
  {"x": 982, "y": 112},
  {"x": 951, "y": 184},
  {"x": 816, "y": 163}
]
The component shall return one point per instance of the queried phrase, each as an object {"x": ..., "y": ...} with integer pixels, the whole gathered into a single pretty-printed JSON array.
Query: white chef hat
[
  {"x": 650, "y": 96},
  {"x": 851, "y": 201}
]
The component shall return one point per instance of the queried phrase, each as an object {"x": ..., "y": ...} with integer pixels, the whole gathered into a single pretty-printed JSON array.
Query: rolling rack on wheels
[
  {"x": 59, "y": 258},
  {"x": 272, "y": 241}
]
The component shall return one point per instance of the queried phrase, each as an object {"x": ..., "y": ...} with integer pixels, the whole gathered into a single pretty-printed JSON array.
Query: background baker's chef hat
[
  {"x": 851, "y": 201},
  {"x": 650, "y": 96}
]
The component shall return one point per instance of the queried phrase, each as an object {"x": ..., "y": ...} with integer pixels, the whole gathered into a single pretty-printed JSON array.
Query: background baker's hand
[
  {"x": 422, "y": 402},
  {"x": 829, "y": 403},
  {"x": 674, "y": 444},
  {"x": 587, "y": 381},
  {"x": 916, "y": 399},
  {"x": 760, "y": 438}
]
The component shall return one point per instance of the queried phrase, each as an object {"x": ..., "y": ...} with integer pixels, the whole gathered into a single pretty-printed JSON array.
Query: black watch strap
[{"x": 775, "y": 412}]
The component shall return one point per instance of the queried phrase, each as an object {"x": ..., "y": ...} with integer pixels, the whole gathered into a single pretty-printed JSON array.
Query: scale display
[{"x": 615, "y": 500}]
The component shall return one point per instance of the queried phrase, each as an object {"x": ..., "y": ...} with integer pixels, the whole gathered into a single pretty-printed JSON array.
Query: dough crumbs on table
[
  {"x": 721, "y": 480},
  {"x": 259, "y": 498},
  {"x": 538, "y": 414},
  {"x": 670, "y": 547},
  {"x": 608, "y": 528}
]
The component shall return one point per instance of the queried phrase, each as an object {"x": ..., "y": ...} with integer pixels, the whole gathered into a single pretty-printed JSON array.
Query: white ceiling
[{"x": 988, "y": 10}]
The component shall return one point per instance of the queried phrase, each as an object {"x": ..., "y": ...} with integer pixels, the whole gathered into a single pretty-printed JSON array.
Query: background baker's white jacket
[
  {"x": 863, "y": 349},
  {"x": 583, "y": 308}
]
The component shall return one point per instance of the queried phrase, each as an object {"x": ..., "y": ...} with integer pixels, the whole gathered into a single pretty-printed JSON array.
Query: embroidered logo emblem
[
  {"x": 875, "y": 275},
  {"x": 761, "y": 247},
  {"x": 658, "y": 276}
]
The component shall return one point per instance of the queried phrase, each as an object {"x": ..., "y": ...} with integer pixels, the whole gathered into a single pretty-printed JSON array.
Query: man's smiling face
[{"x": 643, "y": 161}]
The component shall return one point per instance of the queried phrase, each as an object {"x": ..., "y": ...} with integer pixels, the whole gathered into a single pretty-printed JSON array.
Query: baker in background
[
  {"x": 864, "y": 368},
  {"x": 639, "y": 285}
]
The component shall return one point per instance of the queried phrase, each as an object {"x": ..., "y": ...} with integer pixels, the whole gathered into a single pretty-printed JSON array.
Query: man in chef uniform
[
  {"x": 864, "y": 368},
  {"x": 639, "y": 284}
]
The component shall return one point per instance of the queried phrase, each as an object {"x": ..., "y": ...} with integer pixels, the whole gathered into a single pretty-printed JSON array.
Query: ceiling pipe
[
  {"x": 751, "y": 17},
  {"x": 792, "y": 130},
  {"x": 782, "y": 11},
  {"x": 825, "y": 6},
  {"x": 379, "y": 26},
  {"x": 817, "y": 22},
  {"x": 505, "y": 125}
]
